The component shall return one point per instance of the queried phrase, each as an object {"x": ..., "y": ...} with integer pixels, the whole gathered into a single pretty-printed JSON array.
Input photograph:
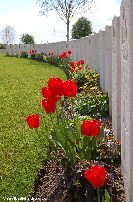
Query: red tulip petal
[
  {"x": 33, "y": 121},
  {"x": 96, "y": 176}
]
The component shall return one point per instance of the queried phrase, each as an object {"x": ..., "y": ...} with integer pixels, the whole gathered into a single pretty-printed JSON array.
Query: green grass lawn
[{"x": 22, "y": 150}]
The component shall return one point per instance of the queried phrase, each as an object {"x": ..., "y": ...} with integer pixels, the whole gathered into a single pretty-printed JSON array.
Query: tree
[
  {"x": 27, "y": 39},
  {"x": 66, "y": 9},
  {"x": 81, "y": 28},
  {"x": 8, "y": 35}
]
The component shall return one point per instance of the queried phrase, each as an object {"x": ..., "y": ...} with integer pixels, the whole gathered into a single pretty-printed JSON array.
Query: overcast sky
[{"x": 23, "y": 15}]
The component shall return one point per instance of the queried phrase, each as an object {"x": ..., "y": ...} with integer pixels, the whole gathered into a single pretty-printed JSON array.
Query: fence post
[{"x": 116, "y": 77}]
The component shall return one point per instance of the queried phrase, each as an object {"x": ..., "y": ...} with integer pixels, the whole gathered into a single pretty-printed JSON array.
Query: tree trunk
[{"x": 68, "y": 34}]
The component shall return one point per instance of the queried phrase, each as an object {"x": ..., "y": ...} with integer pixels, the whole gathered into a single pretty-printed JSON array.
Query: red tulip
[
  {"x": 56, "y": 86},
  {"x": 64, "y": 55},
  {"x": 80, "y": 68},
  {"x": 32, "y": 51},
  {"x": 70, "y": 88},
  {"x": 56, "y": 98},
  {"x": 46, "y": 92},
  {"x": 78, "y": 63},
  {"x": 96, "y": 176},
  {"x": 52, "y": 53},
  {"x": 72, "y": 64},
  {"x": 72, "y": 69},
  {"x": 82, "y": 62},
  {"x": 96, "y": 129},
  {"x": 49, "y": 106},
  {"x": 33, "y": 121},
  {"x": 69, "y": 52},
  {"x": 61, "y": 56},
  {"x": 91, "y": 128}
]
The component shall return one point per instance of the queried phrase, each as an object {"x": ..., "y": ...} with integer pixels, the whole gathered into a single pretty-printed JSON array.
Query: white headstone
[
  {"x": 116, "y": 78},
  {"x": 96, "y": 52},
  {"x": 108, "y": 65},
  {"x": 12, "y": 49},
  {"x": 8, "y": 48},
  {"x": 102, "y": 59},
  {"x": 126, "y": 37},
  {"x": 86, "y": 50},
  {"x": 16, "y": 47}
]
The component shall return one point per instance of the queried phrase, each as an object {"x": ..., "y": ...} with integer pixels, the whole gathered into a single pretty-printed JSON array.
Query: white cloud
[
  {"x": 102, "y": 13},
  {"x": 27, "y": 20},
  {"x": 52, "y": 28}
]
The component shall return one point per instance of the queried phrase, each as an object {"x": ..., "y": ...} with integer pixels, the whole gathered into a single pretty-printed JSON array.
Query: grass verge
[{"x": 22, "y": 150}]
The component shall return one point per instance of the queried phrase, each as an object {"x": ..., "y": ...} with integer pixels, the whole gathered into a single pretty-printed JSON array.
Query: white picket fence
[{"x": 110, "y": 52}]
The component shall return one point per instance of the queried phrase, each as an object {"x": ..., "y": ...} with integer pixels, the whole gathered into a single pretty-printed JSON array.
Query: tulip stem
[
  {"x": 72, "y": 108},
  {"x": 98, "y": 193}
]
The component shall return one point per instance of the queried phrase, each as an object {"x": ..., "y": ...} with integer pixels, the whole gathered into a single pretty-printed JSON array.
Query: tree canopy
[
  {"x": 27, "y": 39},
  {"x": 81, "y": 28},
  {"x": 8, "y": 35},
  {"x": 66, "y": 9}
]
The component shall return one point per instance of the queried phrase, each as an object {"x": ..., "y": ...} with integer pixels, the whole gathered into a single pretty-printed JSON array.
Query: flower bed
[{"x": 86, "y": 158}]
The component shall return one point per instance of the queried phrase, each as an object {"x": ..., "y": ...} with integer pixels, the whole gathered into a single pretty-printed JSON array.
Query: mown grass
[{"x": 22, "y": 150}]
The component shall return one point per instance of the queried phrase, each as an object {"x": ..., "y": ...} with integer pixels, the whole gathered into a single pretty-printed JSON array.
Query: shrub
[
  {"x": 53, "y": 60},
  {"x": 2, "y": 46},
  {"x": 39, "y": 57},
  {"x": 87, "y": 78},
  {"x": 91, "y": 101},
  {"x": 23, "y": 54},
  {"x": 9, "y": 54},
  {"x": 92, "y": 105}
]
